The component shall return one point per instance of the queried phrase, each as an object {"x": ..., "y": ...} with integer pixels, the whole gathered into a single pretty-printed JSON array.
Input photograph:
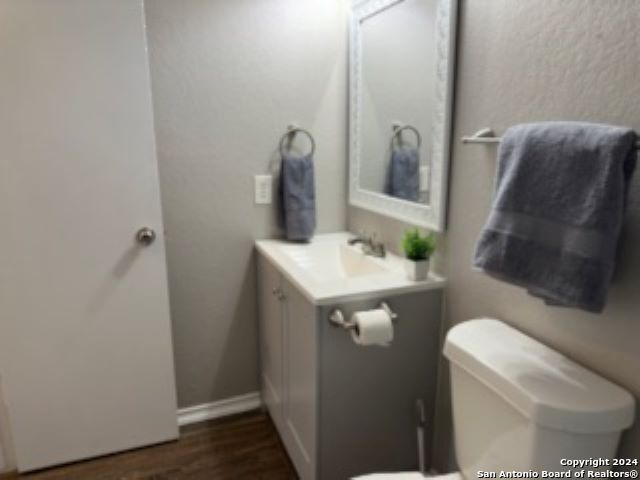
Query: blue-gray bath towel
[
  {"x": 558, "y": 210},
  {"x": 403, "y": 177},
  {"x": 297, "y": 197}
]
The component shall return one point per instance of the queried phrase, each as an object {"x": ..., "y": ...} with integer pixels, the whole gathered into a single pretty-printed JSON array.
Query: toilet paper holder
[{"x": 336, "y": 317}]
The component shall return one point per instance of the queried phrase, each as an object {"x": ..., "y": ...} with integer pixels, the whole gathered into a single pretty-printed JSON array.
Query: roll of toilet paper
[{"x": 372, "y": 327}]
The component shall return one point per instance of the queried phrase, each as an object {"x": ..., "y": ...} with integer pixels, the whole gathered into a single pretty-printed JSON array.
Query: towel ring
[
  {"x": 291, "y": 133},
  {"x": 398, "y": 130}
]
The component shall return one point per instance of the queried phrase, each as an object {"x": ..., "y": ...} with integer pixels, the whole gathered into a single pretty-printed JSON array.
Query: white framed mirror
[{"x": 401, "y": 95}]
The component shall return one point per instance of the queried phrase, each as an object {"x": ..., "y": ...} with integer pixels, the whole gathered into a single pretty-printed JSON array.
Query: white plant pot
[{"x": 416, "y": 271}]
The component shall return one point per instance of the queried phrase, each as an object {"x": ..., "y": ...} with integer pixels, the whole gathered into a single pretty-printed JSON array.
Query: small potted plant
[{"x": 418, "y": 249}]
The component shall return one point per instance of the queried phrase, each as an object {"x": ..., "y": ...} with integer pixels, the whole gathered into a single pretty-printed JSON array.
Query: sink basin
[
  {"x": 328, "y": 270},
  {"x": 333, "y": 260}
]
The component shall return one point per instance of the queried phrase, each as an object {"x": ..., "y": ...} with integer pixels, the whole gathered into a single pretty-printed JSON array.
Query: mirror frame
[{"x": 431, "y": 216}]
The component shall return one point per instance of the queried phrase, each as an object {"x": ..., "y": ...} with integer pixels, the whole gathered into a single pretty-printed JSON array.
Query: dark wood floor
[{"x": 241, "y": 447}]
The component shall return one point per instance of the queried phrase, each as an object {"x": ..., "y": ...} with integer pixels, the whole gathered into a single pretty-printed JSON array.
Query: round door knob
[{"x": 145, "y": 236}]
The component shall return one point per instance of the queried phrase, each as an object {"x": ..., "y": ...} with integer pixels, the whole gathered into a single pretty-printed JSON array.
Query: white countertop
[{"x": 328, "y": 271}]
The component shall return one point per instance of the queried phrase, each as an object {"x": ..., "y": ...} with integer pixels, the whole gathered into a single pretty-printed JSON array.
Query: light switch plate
[
  {"x": 263, "y": 189},
  {"x": 424, "y": 178}
]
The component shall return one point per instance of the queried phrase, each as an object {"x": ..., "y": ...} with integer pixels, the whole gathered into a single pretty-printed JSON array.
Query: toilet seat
[{"x": 409, "y": 476}]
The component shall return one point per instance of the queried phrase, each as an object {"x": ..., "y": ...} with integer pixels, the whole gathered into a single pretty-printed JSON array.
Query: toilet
[{"x": 519, "y": 405}]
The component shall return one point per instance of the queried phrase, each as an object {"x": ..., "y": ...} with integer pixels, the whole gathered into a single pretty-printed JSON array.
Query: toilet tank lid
[{"x": 544, "y": 385}]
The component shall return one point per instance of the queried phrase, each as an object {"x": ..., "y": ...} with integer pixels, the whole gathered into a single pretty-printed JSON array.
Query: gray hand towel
[
  {"x": 403, "y": 175},
  {"x": 297, "y": 205},
  {"x": 558, "y": 210}
]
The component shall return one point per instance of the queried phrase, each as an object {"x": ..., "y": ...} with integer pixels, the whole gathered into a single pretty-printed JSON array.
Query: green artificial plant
[{"x": 418, "y": 247}]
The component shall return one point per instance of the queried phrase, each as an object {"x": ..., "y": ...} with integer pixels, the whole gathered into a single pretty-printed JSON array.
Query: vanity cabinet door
[
  {"x": 271, "y": 340},
  {"x": 300, "y": 380}
]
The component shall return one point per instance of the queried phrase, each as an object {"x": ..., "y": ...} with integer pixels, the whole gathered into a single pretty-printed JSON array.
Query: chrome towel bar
[{"x": 487, "y": 136}]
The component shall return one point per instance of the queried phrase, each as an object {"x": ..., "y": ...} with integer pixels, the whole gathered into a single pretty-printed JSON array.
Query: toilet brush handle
[{"x": 421, "y": 421}]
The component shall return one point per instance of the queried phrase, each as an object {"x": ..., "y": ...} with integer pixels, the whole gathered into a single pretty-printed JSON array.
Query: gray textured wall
[
  {"x": 526, "y": 61},
  {"x": 227, "y": 78}
]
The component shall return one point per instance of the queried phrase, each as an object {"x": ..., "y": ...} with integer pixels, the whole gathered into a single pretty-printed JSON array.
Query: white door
[{"x": 85, "y": 339}]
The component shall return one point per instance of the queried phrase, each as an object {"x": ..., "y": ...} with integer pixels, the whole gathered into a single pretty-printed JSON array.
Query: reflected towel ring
[
  {"x": 398, "y": 130},
  {"x": 291, "y": 133}
]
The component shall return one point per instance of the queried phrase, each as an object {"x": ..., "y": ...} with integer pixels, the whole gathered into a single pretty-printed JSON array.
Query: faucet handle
[
  {"x": 374, "y": 242},
  {"x": 378, "y": 247},
  {"x": 360, "y": 237}
]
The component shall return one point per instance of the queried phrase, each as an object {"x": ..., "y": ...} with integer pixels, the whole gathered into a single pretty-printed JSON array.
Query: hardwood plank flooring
[{"x": 237, "y": 448}]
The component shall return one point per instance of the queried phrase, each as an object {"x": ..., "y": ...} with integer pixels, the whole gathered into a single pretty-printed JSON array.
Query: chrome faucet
[{"x": 369, "y": 245}]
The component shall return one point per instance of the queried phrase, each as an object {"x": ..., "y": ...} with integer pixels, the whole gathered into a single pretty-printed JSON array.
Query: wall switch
[
  {"x": 424, "y": 178},
  {"x": 263, "y": 189}
]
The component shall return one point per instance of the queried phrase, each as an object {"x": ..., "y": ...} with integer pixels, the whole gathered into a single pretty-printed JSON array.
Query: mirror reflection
[{"x": 397, "y": 93}]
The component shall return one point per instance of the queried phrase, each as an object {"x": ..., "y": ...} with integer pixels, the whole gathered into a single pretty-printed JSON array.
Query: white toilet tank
[{"x": 519, "y": 405}]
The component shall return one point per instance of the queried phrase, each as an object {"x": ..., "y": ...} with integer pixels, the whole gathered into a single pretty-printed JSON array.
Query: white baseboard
[{"x": 220, "y": 408}]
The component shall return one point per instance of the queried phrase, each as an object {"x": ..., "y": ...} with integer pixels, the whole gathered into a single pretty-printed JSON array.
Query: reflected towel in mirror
[{"x": 403, "y": 174}]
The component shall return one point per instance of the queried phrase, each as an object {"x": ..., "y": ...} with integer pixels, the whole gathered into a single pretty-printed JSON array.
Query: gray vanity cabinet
[
  {"x": 342, "y": 409},
  {"x": 288, "y": 355},
  {"x": 271, "y": 340},
  {"x": 367, "y": 395}
]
